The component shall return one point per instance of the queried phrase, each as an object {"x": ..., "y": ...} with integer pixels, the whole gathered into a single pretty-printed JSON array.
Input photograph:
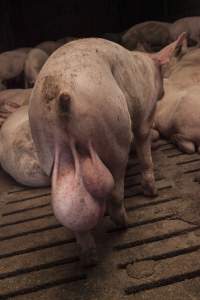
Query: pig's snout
[{"x": 79, "y": 190}]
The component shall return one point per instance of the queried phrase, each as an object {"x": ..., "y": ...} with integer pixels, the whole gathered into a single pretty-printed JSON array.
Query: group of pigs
[{"x": 86, "y": 102}]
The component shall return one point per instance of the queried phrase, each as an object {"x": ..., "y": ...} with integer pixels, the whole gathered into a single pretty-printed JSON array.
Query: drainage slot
[
  {"x": 37, "y": 248},
  {"x": 188, "y": 161},
  {"x": 28, "y": 198},
  {"x": 46, "y": 266},
  {"x": 192, "y": 171},
  {"x": 30, "y": 232},
  {"x": 27, "y": 220},
  {"x": 161, "y": 256},
  {"x": 141, "y": 223},
  {"x": 25, "y": 209},
  {"x": 162, "y": 282},
  {"x": 152, "y": 203},
  {"x": 153, "y": 239},
  {"x": 43, "y": 286}
]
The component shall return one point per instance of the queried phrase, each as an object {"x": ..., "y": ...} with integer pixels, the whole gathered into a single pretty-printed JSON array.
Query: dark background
[{"x": 28, "y": 22}]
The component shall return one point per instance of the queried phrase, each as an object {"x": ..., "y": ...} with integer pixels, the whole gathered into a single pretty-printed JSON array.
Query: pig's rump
[
  {"x": 17, "y": 152},
  {"x": 178, "y": 117},
  {"x": 89, "y": 144},
  {"x": 98, "y": 109}
]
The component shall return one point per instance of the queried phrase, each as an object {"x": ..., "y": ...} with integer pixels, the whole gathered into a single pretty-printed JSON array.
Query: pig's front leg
[
  {"x": 87, "y": 245},
  {"x": 143, "y": 149}
]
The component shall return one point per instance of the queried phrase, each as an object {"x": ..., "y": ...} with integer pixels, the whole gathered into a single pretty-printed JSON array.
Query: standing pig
[
  {"x": 91, "y": 94},
  {"x": 190, "y": 25},
  {"x": 150, "y": 35},
  {"x": 34, "y": 63},
  {"x": 11, "y": 100},
  {"x": 18, "y": 156},
  {"x": 11, "y": 64}
]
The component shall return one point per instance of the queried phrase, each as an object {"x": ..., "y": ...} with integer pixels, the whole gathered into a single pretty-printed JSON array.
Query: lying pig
[
  {"x": 49, "y": 46},
  {"x": 150, "y": 35},
  {"x": 190, "y": 25},
  {"x": 178, "y": 116},
  {"x": 11, "y": 65},
  {"x": 11, "y": 100},
  {"x": 34, "y": 62},
  {"x": 18, "y": 156},
  {"x": 91, "y": 94},
  {"x": 184, "y": 69}
]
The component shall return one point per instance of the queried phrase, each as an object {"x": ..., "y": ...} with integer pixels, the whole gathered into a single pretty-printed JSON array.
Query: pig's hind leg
[
  {"x": 87, "y": 245},
  {"x": 142, "y": 134}
]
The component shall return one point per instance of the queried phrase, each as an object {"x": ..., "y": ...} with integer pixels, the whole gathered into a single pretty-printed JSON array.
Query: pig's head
[
  {"x": 61, "y": 129},
  {"x": 169, "y": 56}
]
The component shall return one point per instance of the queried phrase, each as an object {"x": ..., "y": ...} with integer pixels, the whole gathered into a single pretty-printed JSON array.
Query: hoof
[
  {"x": 150, "y": 191},
  {"x": 121, "y": 222},
  {"x": 89, "y": 258},
  {"x": 119, "y": 217}
]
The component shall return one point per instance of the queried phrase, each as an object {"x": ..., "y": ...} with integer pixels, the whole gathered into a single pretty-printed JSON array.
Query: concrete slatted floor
[{"x": 157, "y": 257}]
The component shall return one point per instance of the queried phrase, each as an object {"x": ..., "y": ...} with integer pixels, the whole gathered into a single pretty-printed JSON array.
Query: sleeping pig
[
  {"x": 12, "y": 65},
  {"x": 150, "y": 35},
  {"x": 91, "y": 95},
  {"x": 49, "y": 46},
  {"x": 34, "y": 62},
  {"x": 184, "y": 69},
  {"x": 178, "y": 116},
  {"x": 11, "y": 100},
  {"x": 18, "y": 156},
  {"x": 190, "y": 25}
]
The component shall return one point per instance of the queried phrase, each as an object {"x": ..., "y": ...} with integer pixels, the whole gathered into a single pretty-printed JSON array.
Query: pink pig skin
[{"x": 88, "y": 98}]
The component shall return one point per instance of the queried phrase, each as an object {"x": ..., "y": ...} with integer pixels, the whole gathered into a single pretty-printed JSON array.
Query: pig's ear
[{"x": 164, "y": 56}]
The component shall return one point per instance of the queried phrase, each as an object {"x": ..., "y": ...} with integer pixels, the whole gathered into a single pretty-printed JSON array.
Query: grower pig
[
  {"x": 88, "y": 91},
  {"x": 190, "y": 25},
  {"x": 34, "y": 62},
  {"x": 49, "y": 46},
  {"x": 11, "y": 100},
  {"x": 184, "y": 69},
  {"x": 18, "y": 156},
  {"x": 151, "y": 35},
  {"x": 178, "y": 116},
  {"x": 12, "y": 64}
]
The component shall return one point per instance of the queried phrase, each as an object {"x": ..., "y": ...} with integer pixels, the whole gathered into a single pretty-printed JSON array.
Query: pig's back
[
  {"x": 11, "y": 64},
  {"x": 188, "y": 24}
]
